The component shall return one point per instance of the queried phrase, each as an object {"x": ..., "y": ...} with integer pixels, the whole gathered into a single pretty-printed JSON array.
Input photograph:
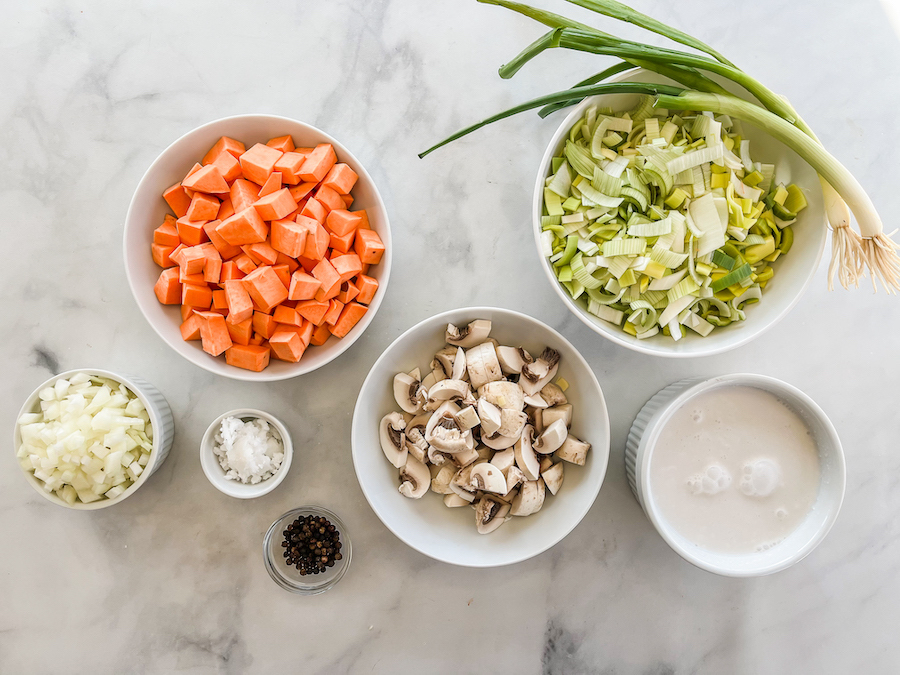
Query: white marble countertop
[{"x": 172, "y": 580}]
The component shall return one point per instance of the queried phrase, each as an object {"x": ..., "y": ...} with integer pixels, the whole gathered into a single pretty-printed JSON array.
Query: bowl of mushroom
[{"x": 480, "y": 437}]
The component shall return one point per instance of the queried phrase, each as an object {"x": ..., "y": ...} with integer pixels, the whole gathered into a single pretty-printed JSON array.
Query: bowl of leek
[{"x": 692, "y": 261}]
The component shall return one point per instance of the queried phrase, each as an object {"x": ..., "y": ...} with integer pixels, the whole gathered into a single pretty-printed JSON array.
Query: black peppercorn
[{"x": 312, "y": 544}]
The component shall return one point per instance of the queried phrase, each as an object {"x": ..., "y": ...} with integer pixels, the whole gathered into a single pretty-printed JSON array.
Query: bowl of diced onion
[
  {"x": 770, "y": 289},
  {"x": 87, "y": 439}
]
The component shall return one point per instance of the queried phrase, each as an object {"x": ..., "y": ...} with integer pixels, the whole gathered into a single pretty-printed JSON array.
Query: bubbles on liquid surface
[
  {"x": 781, "y": 513},
  {"x": 760, "y": 478},
  {"x": 697, "y": 416},
  {"x": 766, "y": 546},
  {"x": 711, "y": 482}
]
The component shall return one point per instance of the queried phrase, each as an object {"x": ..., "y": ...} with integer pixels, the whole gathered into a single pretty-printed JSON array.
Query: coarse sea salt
[{"x": 249, "y": 452}]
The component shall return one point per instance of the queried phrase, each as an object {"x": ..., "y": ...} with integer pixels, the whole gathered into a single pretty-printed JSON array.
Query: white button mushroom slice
[
  {"x": 446, "y": 390},
  {"x": 511, "y": 423},
  {"x": 415, "y": 374},
  {"x": 526, "y": 460},
  {"x": 503, "y": 394},
  {"x": 475, "y": 333},
  {"x": 393, "y": 440},
  {"x": 558, "y": 412},
  {"x": 490, "y": 513},
  {"x": 466, "y": 457},
  {"x": 433, "y": 378},
  {"x": 509, "y": 496},
  {"x": 488, "y": 478},
  {"x": 553, "y": 395},
  {"x": 482, "y": 365},
  {"x": 551, "y": 438},
  {"x": 553, "y": 477},
  {"x": 536, "y": 401},
  {"x": 546, "y": 463},
  {"x": 459, "y": 365},
  {"x": 535, "y": 418},
  {"x": 514, "y": 477},
  {"x": 443, "y": 433},
  {"x": 529, "y": 500},
  {"x": 467, "y": 418},
  {"x": 414, "y": 478},
  {"x": 415, "y": 436},
  {"x": 461, "y": 483},
  {"x": 438, "y": 458},
  {"x": 574, "y": 450},
  {"x": 489, "y": 414},
  {"x": 454, "y": 501},
  {"x": 498, "y": 442},
  {"x": 538, "y": 374},
  {"x": 504, "y": 459},
  {"x": 408, "y": 392},
  {"x": 440, "y": 482},
  {"x": 512, "y": 359},
  {"x": 484, "y": 453},
  {"x": 443, "y": 361}
]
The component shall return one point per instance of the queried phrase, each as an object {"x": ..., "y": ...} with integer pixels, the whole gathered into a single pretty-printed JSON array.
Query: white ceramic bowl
[
  {"x": 448, "y": 534},
  {"x": 639, "y": 455},
  {"x": 148, "y": 210},
  {"x": 793, "y": 272},
  {"x": 160, "y": 420},
  {"x": 216, "y": 474}
]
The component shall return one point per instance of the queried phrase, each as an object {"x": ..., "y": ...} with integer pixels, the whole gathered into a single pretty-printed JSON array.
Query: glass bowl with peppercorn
[{"x": 307, "y": 550}]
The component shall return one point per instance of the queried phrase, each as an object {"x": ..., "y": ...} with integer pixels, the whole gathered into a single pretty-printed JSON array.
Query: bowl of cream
[{"x": 742, "y": 475}]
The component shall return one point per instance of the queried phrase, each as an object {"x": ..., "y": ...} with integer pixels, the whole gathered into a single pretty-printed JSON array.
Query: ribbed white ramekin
[
  {"x": 160, "y": 419},
  {"x": 656, "y": 413}
]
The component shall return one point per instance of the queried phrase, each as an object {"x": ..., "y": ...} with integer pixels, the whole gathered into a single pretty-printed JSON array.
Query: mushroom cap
[
  {"x": 512, "y": 359},
  {"x": 392, "y": 438},
  {"x": 526, "y": 460},
  {"x": 553, "y": 477},
  {"x": 454, "y": 501},
  {"x": 490, "y": 513},
  {"x": 503, "y": 394},
  {"x": 443, "y": 432},
  {"x": 488, "y": 478},
  {"x": 415, "y": 478},
  {"x": 408, "y": 392},
  {"x": 553, "y": 394},
  {"x": 573, "y": 450},
  {"x": 498, "y": 442},
  {"x": 529, "y": 500},
  {"x": 504, "y": 459},
  {"x": 483, "y": 365},
  {"x": 551, "y": 438},
  {"x": 489, "y": 414},
  {"x": 446, "y": 390},
  {"x": 476, "y": 332},
  {"x": 536, "y": 375}
]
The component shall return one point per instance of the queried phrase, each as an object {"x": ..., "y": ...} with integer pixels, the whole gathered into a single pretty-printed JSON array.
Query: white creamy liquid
[{"x": 735, "y": 470}]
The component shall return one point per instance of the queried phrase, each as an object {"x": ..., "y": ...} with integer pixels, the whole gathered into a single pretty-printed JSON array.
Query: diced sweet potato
[
  {"x": 191, "y": 232},
  {"x": 190, "y": 328},
  {"x": 341, "y": 221},
  {"x": 207, "y": 179},
  {"x": 177, "y": 199},
  {"x": 167, "y": 287},
  {"x": 257, "y": 339},
  {"x": 308, "y": 264},
  {"x": 313, "y": 311},
  {"x": 330, "y": 279},
  {"x": 244, "y": 264},
  {"x": 212, "y": 270},
  {"x": 347, "y": 265},
  {"x": 367, "y": 287},
  {"x": 343, "y": 243},
  {"x": 348, "y": 201},
  {"x": 284, "y": 274},
  {"x": 230, "y": 272},
  {"x": 341, "y": 178},
  {"x": 226, "y": 209},
  {"x": 275, "y": 205},
  {"x": 258, "y": 162},
  {"x": 161, "y": 254},
  {"x": 167, "y": 234},
  {"x": 203, "y": 207},
  {"x": 243, "y": 194},
  {"x": 313, "y": 209},
  {"x": 306, "y": 331},
  {"x": 289, "y": 166},
  {"x": 249, "y": 357},
  {"x": 229, "y": 166},
  {"x": 265, "y": 288},
  {"x": 330, "y": 199},
  {"x": 320, "y": 335},
  {"x": 289, "y": 237},
  {"x": 350, "y": 316},
  {"x": 263, "y": 252},
  {"x": 273, "y": 184},
  {"x": 196, "y": 295},
  {"x": 283, "y": 143},
  {"x": 196, "y": 279},
  {"x": 264, "y": 324},
  {"x": 244, "y": 227},
  {"x": 318, "y": 163},
  {"x": 286, "y": 345},
  {"x": 316, "y": 241},
  {"x": 225, "y": 249},
  {"x": 192, "y": 260},
  {"x": 224, "y": 144},
  {"x": 303, "y": 286},
  {"x": 219, "y": 300},
  {"x": 349, "y": 292},
  {"x": 363, "y": 219},
  {"x": 368, "y": 246},
  {"x": 334, "y": 311},
  {"x": 240, "y": 332},
  {"x": 302, "y": 191},
  {"x": 287, "y": 315},
  {"x": 214, "y": 333},
  {"x": 240, "y": 306}
]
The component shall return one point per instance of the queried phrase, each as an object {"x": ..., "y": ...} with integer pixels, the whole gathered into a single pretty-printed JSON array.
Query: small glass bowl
[{"x": 289, "y": 578}]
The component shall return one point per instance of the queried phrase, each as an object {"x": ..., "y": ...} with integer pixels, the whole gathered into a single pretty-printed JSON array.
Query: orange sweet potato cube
[
  {"x": 229, "y": 166},
  {"x": 196, "y": 295},
  {"x": 207, "y": 179},
  {"x": 161, "y": 254},
  {"x": 226, "y": 209},
  {"x": 350, "y": 316},
  {"x": 190, "y": 328},
  {"x": 316, "y": 241},
  {"x": 342, "y": 243},
  {"x": 224, "y": 144},
  {"x": 341, "y": 178},
  {"x": 230, "y": 272},
  {"x": 240, "y": 306},
  {"x": 303, "y": 286},
  {"x": 320, "y": 335},
  {"x": 341, "y": 221},
  {"x": 283, "y": 143},
  {"x": 289, "y": 166},
  {"x": 258, "y": 162},
  {"x": 203, "y": 207},
  {"x": 243, "y": 194},
  {"x": 244, "y": 263},
  {"x": 330, "y": 279},
  {"x": 167, "y": 287},
  {"x": 313, "y": 209},
  {"x": 334, "y": 311},
  {"x": 286, "y": 345},
  {"x": 240, "y": 332},
  {"x": 225, "y": 249},
  {"x": 214, "y": 333},
  {"x": 313, "y": 311},
  {"x": 264, "y": 324},
  {"x": 347, "y": 265},
  {"x": 249, "y": 357},
  {"x": 349, "y": 292},
  {"x": 265, "y": 288},
  {"x": 275, "y": 205},
  {"x": 177, "y": 199},
  {"x": 219, "y": 300},
  {"x": 367, "y": 287},
  {"x": 318, "y": 163},
  {"x": 289, "y": 237},
  {"x": 192, "y": 259},
  {"x": 287, "y": 315},
  {"x": 167, "y": 233},
  {"x": 330, "y": 199},
  {"x": 368, "y": 246},
  {"x": 191, "y": 232},
  {"x": 245, "y": 227},
  {"x": 273, "y": 184},
  {"x": 284, "y": 274},
  {"x": 302, "y": 191}
]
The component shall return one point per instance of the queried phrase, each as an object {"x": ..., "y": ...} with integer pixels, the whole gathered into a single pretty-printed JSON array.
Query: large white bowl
[
  {"x": 148, "y": 210},
  {"x": 793, "y": 272},
  {"x": 160, "y": 420},
  {"x": 645, "y": 432},
  {"x": 448, "y": 534}
]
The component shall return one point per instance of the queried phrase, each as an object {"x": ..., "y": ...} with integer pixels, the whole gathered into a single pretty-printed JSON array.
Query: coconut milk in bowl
[{"x": 742, "y": 475}]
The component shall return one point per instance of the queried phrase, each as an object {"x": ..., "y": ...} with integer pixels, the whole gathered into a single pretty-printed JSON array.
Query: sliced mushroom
[
  {"x": 459, "y": 365},
  {"x": 536, "y": 375},
  {"x": 536, "y": 401},
  {"x": 551, "y": 438},
  {"x": 503, "y": 394},
  {"x": 546, "y": 463},
  {"x": 535, "y": 418},
  {"x": 574, "y": 450},
  {"x": 504, "y": 459},
  {"x": 526, "y": 460},
  {"x": 475, "y": 333},
  {"x": 553, "y": 477},
  {"x": 488, "y": 478},
  {"x": 461, "y": 483},
  {"x": 443, "y": 433},
  {"x": 498, "y": 442},
  {"x": 489, "y": 414},
  {"x": 512, "y": 359},
  {"x": 439, "y": 458},
  {"x": 414, "y": 478},
  {"x": 415, "y": 436},
  {"x": 514, "y": 477},
  {"x": 529, "y": 500},
  {"x": 467, "y": 418},
  {"x": 443, "y": 361},
  {"x": 482, "y": 365},
  {"x": 393, "y": 440},
  {"x": 440, "y": 482},
  {"x": 484, "y": 453},
  {"x": 553, "y": 395},
  {"x": 511, "y": 423},
  {"x": 466, "y": 457},
  {"x": 490, "y": 513},
  {"x": 433, "y": 378},
  {"x": 408, "y": 392},
  {"x": 454, "y": 501},
  {"x": 446, "y": 390},
  {"x": 558, "y": 412},
  {"x": 509, "y": 496}
]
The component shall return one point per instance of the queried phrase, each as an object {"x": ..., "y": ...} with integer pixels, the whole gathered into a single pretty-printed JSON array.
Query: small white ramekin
[
  {"x": 645, "y": 432},
  {"x": 216, "y": 474},
  {"x": 160, "y": 420}
]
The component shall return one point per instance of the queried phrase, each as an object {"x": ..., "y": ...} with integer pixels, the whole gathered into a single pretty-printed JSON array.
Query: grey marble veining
[{"x": 172, "y": 579}]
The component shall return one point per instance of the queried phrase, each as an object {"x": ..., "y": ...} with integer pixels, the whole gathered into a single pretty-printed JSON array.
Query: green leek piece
[
  {"x": 564, "y": 274},
  {"x": 552, "y": 203},
  {"x": 787, "y": 240},
  {"x": 795, "y": 201},
  {"x": 676, "y": 199},
  {"x": 733, "y": 277},
  {"x": 628, "y": 278},
  {"x": 555, "y": 163},
  {"x": 580, "y": 159},
  {"x": 703, "y": 269},
  {"x": 571, "y": 250},
  {"x": 618, "y": 247},
  {"x": 753, "y": 254},
  {"x": 684, "y": 287},
  {"x": 571, "y": 204},
  {"x": 722, "y": 259}
]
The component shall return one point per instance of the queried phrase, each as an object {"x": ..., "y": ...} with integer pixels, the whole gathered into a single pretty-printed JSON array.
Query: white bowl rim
[
  {"x": 341, "y": 345},
  {"x": 648, "y": 444},
  {"x": 216, "y": 475},
  {"x": 475, "y": 311},
  {"x": 622, "y": 338},
  {"x": 155, "y": 424}
]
